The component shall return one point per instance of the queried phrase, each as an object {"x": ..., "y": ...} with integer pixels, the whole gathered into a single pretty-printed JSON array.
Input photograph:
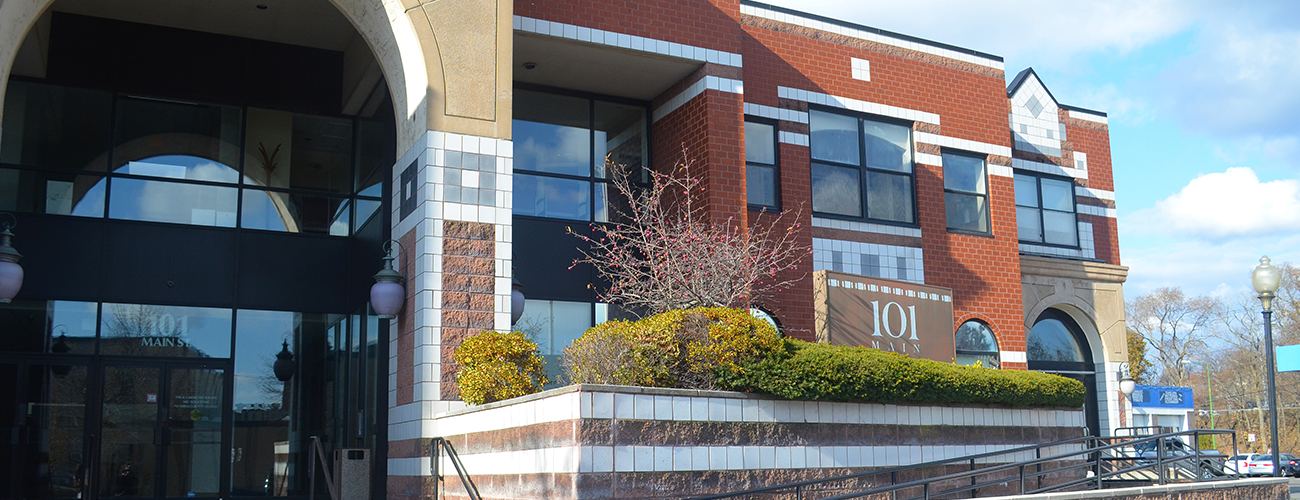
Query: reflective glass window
[
  {"x": 174, "y": 202},
  {"x": 760, "y": 164},
  {"x": 1045, "y": 210},
  {"x": 51, "y": 192},
  {"x": 552, "y": 133},
  {"x": 975, "y": 342},
  {"x": 295, "y": 213},
  {"x": 174, "y": 331},
  {"x": 1052, "y": 340},
  {"x": 965, "y": 193},
  {"x": 867, "y": 162},
  {"x": 55, "y": 128},
  {"x": 56, "y": 326},
  {"x": 162, "y": 130}
]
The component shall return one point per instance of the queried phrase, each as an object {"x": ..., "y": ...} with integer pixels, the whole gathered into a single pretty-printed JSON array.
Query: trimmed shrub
[
  {"x": 845, "y": 373},
  {"x": 685, "y": 349},
  {"x": 497, "y": 366}
]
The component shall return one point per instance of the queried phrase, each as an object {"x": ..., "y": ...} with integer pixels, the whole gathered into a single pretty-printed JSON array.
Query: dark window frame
[
  {"x": 1042, "y": 229},
  {"x": 350, "y": 197},
  {"x": 591, "y": 178},
  {"x": 988, "y": 207},
  {"x": 863, "y": 169},
  {"x": 775, "y": 166}
]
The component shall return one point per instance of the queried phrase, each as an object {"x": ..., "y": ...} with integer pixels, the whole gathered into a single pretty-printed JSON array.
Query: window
[
  {"x": 188, "y": 163},
  {"x": 1045, "y": 210},
  {"x": 561, "y": 143},
  {"x": 761, "y": 185},
  {"x": 976, "y": 343},
  {"x": 965, "y": 193},
  {"x": 862, "y": 168}
]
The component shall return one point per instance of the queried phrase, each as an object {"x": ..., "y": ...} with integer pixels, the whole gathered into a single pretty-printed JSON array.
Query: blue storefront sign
[{"x": 1159, "y": 396}]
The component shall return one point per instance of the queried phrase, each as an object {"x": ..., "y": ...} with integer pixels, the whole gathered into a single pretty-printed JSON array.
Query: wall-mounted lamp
[
  {"x": 388, "y": 294},
  {"x": 516, "y": 296},
  {"x": 61, "y": 347},
  {"x": 1126, "y": 382},
  {"x": 284, "y": 366},
  {"x": 11, "y": 274}
]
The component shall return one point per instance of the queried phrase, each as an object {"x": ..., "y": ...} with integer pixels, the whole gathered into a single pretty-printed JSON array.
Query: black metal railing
[
  {"x": 1162, "y": 458},
  {"x": 436, "y": 448}
]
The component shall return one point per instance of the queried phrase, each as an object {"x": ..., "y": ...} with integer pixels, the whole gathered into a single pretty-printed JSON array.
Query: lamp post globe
[
  {"x": 1266, "y": 278},
  {"x": 11, "y": 274}
]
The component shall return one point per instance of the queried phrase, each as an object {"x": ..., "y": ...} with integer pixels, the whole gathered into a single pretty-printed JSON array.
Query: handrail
[
  {"x": 1094, "y": 459},
  {"x": 325, "y": 469},
  {"x": 435, "y": 450}
]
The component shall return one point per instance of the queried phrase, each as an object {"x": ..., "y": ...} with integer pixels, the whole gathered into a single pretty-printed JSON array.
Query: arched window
[
  {"x": 1052, "y": 340},
  {"x": 975, "y": 342}
]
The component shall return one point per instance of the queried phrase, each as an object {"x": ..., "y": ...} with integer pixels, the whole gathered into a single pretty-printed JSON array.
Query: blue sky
[{"x": 1203, "y": 108}]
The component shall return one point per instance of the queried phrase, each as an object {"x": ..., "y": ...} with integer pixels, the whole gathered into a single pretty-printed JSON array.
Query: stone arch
[
  {"x": 384, "y": 25},
  {"x": 1081, "y": 312}
]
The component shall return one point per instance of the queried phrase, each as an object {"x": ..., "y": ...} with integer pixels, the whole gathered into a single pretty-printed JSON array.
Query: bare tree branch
[{"x": 664, "y": 252}]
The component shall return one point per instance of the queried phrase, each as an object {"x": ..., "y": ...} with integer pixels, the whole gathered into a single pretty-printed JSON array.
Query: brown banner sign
[{"x": 895, "y": 316}]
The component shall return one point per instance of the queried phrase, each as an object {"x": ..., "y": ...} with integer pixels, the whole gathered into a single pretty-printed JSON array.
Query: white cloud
[
  {"x": 1220, "y": 269},
  {"x": 1227, "y": 204},
  {"x": 1239, "y": 82}
]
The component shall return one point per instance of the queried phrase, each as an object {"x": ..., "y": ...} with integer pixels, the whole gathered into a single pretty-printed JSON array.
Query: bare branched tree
[
  {"x": 1175, "y": 328},
  {"x": 664, "y": 252}
]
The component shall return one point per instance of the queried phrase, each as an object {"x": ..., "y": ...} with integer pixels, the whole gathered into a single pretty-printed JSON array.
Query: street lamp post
[{"x": 1266, "y": 279}]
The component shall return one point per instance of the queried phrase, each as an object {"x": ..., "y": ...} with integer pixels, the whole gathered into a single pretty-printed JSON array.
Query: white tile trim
[
  {"x": 1001, "y": 171},
  {"x": 856, "y": 105},
  {"x": 929, "y": 159},
  {"x": 697, "y": 88},
  {"x": 624, "y": 41},
  {"x": 1094, "y": 193},
  {"x": 1083, "y": 115},
  {"x": 793, "y": 138},
  {"x": 1098, "y": 211},
  {"x": 789, "y": 115},
  {"x": 963, "y": 144},
  {"x": 869, "y": 36},
  {"x": 866, "y": 227},
  {"x": 1048, "y": 168},
  {"x": 650, "y": 458},
  {"x": 1014, "y": 357}
]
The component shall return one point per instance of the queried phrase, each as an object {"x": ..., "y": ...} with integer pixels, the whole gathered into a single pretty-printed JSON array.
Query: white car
[{"x": 1250, "y": 464}]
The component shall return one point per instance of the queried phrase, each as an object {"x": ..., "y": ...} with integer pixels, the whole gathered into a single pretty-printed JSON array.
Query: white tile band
[
  {"x": 857, "y": 105},
  {"x": 697, "y": 88},
  {"x": 624, "y": 41}
]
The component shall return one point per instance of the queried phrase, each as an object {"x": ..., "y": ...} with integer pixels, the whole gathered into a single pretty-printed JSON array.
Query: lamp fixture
[
  {"x": 388, "y": 294},
  {"x": 1126, "y": 383},
  {"x": 1267, "y": 279},
  {"x": 11, "y": 274},
  {"x": 284, "y": 366},
  {"x": 61, "y": 347}
]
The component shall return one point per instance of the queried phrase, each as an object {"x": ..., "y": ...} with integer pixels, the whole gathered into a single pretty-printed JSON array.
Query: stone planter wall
[{"x": 597, "y": 442}]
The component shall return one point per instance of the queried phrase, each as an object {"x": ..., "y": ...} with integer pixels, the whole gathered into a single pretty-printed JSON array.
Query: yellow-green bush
[
  {"x": 683, "y": 348},
  {"x": 497, "y": 366},
  {"x": 844, "y": 373}
]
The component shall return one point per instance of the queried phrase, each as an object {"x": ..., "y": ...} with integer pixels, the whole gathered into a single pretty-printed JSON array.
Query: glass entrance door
[
  {"x": 42, "y": 429},
  {"x": 161, "y": 428}
]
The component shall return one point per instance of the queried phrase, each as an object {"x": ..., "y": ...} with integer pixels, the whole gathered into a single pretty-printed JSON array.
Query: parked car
[
  {"x": 1240, "y": 462},
  {"x": 1261, "y": 464},
  {"x": 1211, "y": 463}
]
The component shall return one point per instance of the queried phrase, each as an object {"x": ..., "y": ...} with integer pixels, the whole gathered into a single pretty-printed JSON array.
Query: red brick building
[{"x": 225, "y": 177}]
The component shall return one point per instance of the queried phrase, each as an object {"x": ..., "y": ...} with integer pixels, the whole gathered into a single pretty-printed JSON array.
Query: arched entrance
[
  {"x": 192, "y": 200},
  {"x": 1056, "y": 344}
]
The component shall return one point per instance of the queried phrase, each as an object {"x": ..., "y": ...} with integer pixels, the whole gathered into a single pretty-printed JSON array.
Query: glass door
[
  {"x": 161, "y": 431},
  {"x": 42, "y": 430}
]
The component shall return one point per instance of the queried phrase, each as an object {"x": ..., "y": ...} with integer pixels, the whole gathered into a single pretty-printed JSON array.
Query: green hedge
[{"x": 809, "y": 371}]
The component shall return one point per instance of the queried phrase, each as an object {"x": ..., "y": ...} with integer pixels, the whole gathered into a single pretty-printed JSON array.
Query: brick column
[{"x": 451, "y": 212}]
